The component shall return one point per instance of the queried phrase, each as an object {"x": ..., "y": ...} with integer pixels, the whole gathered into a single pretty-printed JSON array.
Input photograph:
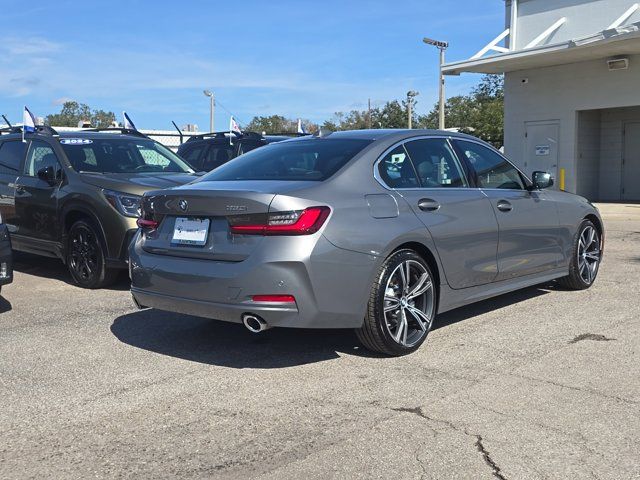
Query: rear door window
[
  {"x": 435, "y": 163},
  {"x": 11, "y": 156}
]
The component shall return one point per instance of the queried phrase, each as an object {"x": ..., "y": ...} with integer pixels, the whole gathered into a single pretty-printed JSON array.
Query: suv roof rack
[
  {"x": 125, "y": 131},
  {"x": 289, "y": 134},
  {"x": 10, "y": 129},
  {"x": 43, "y": 129},
  {"x": 47, "y": 130},
  {"x": 223, "y": 134}
]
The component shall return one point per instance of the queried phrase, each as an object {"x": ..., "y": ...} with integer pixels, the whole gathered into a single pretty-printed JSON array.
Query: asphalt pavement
[{"x": 541, "y": 383}]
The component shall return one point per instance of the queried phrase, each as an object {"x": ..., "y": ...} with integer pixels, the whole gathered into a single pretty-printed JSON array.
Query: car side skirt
[{"x": 450, "y": 298}]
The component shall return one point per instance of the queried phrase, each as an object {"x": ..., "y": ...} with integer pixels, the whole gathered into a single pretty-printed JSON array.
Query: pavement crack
[
  {"x": 497, "y": 472},
  {"x": 419, "y": 412},
  {"x": 592, "y": 336},
  {"x": 577, "y": 389},
  {"x": 486, "y": 456}
]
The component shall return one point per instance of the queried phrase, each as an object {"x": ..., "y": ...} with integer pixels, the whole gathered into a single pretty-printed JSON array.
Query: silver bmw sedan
[{"x": 374, "y": 230}]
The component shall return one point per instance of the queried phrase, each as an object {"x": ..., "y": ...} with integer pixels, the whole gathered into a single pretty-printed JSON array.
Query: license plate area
[{"x": 190, "y": 231}]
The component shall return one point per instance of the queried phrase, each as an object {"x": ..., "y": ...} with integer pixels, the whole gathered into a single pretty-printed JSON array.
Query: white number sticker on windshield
[{"x": 75, "y": 141}]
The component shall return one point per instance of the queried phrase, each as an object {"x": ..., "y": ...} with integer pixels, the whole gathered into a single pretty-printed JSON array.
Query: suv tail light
[{"x": 295, "y": 222}]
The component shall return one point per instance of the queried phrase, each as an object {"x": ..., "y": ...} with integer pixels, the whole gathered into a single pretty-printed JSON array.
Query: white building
[{"x": 572, "y": 92}]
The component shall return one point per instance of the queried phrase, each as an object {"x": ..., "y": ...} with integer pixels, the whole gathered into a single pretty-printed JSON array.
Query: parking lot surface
[{"x": 541, "y": 383}]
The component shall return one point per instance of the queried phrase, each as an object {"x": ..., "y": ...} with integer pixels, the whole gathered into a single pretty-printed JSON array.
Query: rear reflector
[
  {"x": 274, "y": 298},
  {"x": 298, "y": 222},
  {"x": 146, "y": 224}
]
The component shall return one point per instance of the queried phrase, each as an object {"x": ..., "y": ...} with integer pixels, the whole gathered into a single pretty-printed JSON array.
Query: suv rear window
[
  {"x": 123, "y": 155},
  {"x": 11, "y": 155},
  {"x": 310, "y": 159}
]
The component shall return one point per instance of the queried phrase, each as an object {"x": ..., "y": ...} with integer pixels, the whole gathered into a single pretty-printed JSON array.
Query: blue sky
[{"x": 298, "y": 59}]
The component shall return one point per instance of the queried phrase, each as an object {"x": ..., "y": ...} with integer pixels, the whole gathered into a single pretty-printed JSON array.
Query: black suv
[
  {"x": 210, "y": 150},
  {"x": 75, "y": 195}
]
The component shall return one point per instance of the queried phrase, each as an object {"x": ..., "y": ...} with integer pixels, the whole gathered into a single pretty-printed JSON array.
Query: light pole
[
  {"x": 209, "y": 94},
  {"x": 411, "y": 95},
  {"x": 442, "y": 46}
]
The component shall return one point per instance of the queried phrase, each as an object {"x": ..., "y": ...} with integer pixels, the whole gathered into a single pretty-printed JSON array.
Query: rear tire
[
  {"x": 86, "y": 258},
  {"x": 402, "y": 306},
  {"x": 585, "y": 258}
]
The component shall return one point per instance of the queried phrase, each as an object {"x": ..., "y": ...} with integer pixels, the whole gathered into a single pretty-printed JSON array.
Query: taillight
[
  {"x": 274, "y": 298},
  {"x": 297, "y": 222},
  {"x": 146, "y": 224}
]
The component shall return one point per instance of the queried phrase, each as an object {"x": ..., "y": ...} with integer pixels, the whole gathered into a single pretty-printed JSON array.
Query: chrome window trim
[{"x": 376, "y": 173}]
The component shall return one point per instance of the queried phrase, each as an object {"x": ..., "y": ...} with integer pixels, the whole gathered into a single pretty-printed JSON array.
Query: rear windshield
[
  {"x": 313, "y": 159},
  {"x": 121, "y": 155}
]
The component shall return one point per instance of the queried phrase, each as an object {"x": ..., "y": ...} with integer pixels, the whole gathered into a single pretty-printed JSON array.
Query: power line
[{"x": 230, "y": 113}]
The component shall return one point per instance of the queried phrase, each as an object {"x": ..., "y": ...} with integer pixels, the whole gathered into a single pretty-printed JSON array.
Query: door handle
[
  {"x": 428, "y": 205},
  {"x": 504, "y": 206}
]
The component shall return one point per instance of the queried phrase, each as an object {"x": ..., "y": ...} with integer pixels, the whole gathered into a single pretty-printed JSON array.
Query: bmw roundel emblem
[{"x": 183, "y": 205}]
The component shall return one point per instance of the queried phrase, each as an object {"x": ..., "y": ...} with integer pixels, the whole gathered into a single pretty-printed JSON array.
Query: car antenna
[
  {"x": 179, "y": 131},
  {"x": 7, "y": 121}
]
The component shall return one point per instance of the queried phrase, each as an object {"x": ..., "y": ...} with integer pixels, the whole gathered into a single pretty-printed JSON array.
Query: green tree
[
  {"x": 481, "y": 113},
  {"x": 278, "y": 124},
  {"x": 73, "y": 112}
]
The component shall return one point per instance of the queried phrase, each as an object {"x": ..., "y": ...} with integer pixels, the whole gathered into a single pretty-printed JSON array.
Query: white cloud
[
  {"x": 28, "y": 46},
  {"x": 61, "y": 100}
]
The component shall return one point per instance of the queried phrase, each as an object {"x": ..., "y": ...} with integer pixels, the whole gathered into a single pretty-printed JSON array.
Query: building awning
[{"x": 608, "y": 43}]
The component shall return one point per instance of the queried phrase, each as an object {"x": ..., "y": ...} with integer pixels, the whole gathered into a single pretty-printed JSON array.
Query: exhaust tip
[{"x": 254, "y": 323}]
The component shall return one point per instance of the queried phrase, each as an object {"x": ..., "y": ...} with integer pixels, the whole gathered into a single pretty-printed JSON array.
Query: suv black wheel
[
  {"x": 585, "y": 258},
  {"x": 86, "y": 258},
  {"x": 402, "y": 306}
]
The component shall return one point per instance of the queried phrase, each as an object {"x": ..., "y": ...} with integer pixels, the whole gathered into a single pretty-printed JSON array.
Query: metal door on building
[
  {"x": 541, "y": 148},
  {"x": 631, "y": 162}
]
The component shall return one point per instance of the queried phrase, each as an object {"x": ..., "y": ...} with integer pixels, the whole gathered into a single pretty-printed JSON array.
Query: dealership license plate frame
[{"x": 191, "y": 232}]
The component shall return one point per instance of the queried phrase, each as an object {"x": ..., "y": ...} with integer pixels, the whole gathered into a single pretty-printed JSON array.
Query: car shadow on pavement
[
  {"x": 53, "y": 268},
  {"x": 230, "y": 344},
  {"x": 495, "y": 303},
  {"x": 226, "y": 344}
]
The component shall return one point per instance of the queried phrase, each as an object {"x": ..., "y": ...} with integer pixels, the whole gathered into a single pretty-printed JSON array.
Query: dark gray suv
[{"x": 76, "y": 195}]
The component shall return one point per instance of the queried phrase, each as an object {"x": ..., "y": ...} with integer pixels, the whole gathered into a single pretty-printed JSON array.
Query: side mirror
[
  {"x": 542, "y": 180},
  {"x": 48, "y": 174}
]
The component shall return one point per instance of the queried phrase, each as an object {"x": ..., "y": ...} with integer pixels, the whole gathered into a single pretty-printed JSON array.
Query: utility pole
[
  {"x": 369, "y": 115},
  {"x": 212, "y": 108},
  {"x": 411, "y": 95},
  {"x": 442, "y": 46}
]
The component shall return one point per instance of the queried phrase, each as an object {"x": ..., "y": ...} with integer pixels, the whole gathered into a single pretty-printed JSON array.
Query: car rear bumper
[
  {"x": 330, "y": 285},
  {"x": 6, "y": 257}
]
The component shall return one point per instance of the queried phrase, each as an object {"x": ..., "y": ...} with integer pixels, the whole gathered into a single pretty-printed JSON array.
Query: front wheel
[
  {"x": 402, "y": 306},
  {"x": 585, "y": 258},
  {"x": 86, "y": 257}
]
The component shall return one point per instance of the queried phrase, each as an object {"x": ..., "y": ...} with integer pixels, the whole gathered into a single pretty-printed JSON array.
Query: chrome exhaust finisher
[{"x": 254, "y": 323}]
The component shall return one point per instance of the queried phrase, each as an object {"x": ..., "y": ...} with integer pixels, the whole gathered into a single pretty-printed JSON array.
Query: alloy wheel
[
  {"x": 408, "y": 303},
  {"x": 588, "y": 254},
  {"x": 84, "y": 253}
]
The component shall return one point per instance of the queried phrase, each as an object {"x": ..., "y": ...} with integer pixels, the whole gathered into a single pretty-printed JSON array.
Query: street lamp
[
  {"x": 411, "y": 95},
  {"x": 209, "y": 94},
  {"x": 442, "y": 46}
]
